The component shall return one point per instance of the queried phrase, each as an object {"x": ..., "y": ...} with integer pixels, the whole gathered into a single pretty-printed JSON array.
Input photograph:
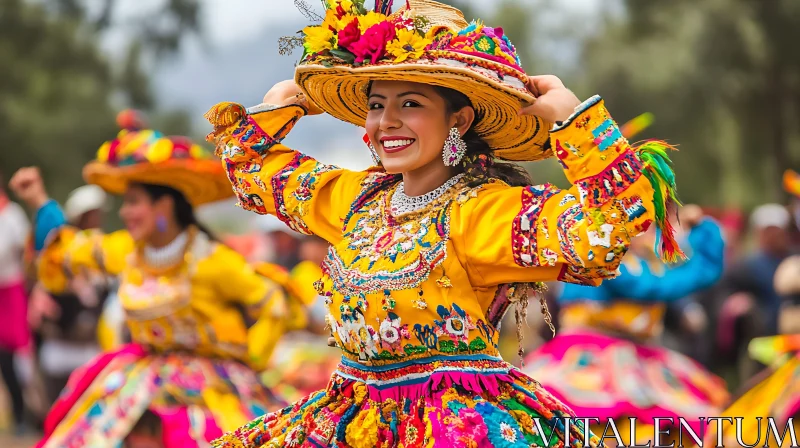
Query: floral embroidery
[
  {"x": 308, "y": 180},
  {"x": 455, "y": 323},
  {"x": 523, "y": 229},
  {"x": 279, "y": 181},
  {"x": 568, "y": 225},
  {"x": 503, "y": 430},
  {"x": 392, "y": 332},
  {"x": 597, "y": 190},
  {"x": 385, "y": 254},
  {"x": 372, "y": 184}
]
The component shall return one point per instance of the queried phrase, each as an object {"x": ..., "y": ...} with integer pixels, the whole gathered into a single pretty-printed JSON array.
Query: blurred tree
[
  {"x": 54, "y": 94},
  {"x": 721, "y": 78},
  {"x": 59, "y": 93}
]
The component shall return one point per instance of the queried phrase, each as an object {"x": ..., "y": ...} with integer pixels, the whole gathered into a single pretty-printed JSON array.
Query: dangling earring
[
  {"x": 454, "y": 148},
  {"x": 374, "y": 154},
  {"x": 375, "y": 159},
  {"x": 161, "y": 223}
]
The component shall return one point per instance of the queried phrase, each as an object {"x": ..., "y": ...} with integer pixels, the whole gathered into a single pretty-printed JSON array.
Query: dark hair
[
  {"x": 183, "y": 210},
  {"x": 480, "y": 164}
]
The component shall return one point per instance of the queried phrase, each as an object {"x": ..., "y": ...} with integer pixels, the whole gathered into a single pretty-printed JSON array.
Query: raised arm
[
  {"x": 64, "y": 252},
  {"x": 267, "y": 177},
  {"x": 702, "y": 270},
  {"x": 577, "y": 235}
]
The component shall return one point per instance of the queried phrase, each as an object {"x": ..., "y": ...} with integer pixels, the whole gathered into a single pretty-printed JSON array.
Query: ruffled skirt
[
  {"x": 196, "y": 399},
  {"x": 604, "y": 377},
  {"x": 446, "y": 401}
]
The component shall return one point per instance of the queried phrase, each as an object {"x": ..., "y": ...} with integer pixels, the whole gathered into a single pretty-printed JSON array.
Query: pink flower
[
  {"x": 349, "y": 34},
  {"x": 372, "y": 44}
]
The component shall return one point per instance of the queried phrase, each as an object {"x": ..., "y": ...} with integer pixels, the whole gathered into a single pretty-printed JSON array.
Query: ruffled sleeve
[
  {"x": 577, "y": 235},
  {"x": 269, "y": 178},
  {"x": 64, "y": 252}
]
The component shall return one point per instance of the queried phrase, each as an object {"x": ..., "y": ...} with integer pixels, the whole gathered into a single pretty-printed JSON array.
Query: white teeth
[{"x": 396, "y": 143}]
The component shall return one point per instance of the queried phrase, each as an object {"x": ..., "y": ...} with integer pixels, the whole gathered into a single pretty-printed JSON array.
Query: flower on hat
[
  {"x": 372, "y": 44},
  {"x": 103, "y": 152},
  {"x": 318, "y": 39},
  {"x": 350, "y": 34},
  {"x": 409, "y": 44},
  {"x": 160, "y": 151}
]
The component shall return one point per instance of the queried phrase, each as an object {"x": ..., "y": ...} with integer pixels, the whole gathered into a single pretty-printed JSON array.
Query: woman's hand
[
  {"x": 28, "y": 185},
  {"x": 554, "y": 102},
  {"x": 286, "y": 93},
  {"x": 690, "y": 215}
]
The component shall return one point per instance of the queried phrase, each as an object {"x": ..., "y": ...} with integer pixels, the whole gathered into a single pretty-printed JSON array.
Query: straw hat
[
  {"x": 426, "y": 42},
  {"x": 149, "y": 157}
]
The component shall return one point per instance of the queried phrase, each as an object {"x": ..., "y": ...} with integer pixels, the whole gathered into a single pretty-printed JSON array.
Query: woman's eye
[
  {"x": 410, "y": 103},
  {"x": 374, "y": 106}
]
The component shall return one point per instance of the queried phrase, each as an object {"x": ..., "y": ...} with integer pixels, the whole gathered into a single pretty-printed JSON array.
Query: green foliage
[
  {"x": 722, "y": 78},
  {"x": 59, "y": 93},
  {"x": 54, "y": 94}
]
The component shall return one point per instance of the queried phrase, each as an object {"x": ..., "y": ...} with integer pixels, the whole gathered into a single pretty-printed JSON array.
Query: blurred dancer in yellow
[
  {"x": 433, "y": 244},
  {"x": 202, "y": 320},
  {"x": 775, "y": 392}
]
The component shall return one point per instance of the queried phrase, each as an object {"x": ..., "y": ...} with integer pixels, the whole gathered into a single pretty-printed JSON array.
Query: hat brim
[
  {"x": 200, "y": 181},
  {"x": 341, "y": 91}
]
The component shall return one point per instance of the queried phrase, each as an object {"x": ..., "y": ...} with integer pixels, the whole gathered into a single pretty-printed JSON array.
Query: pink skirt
[
  {"x": 105, "y": 399},
  {"x": 14, "y": 331},
  {"x": 606, "y": 377}
]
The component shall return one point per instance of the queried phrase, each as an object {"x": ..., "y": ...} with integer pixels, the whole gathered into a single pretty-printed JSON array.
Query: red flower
[
  {"x": 372, "y": 43},
  {"x": 349, "y": 34}
]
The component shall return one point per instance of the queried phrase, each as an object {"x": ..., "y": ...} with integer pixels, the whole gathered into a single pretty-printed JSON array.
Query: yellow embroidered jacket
[
  {"x": 432, "y": 282},
  {"x": 193, "y": 306}
]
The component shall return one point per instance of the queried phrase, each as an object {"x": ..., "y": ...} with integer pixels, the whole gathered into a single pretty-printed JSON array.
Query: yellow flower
[
  {"x": 360, "y": 392},
  {"x": 318, "y": 38},
  {"x": 408, "y": 44},
  {"x": 362, "y": 432},
  {"x": 160, "y": 151},
  {"x": 102, "y": 153},
  {"x": 347, "y": 5},
  {"x": 341, "y": 23},
  {"x": 365, "y": 22}
]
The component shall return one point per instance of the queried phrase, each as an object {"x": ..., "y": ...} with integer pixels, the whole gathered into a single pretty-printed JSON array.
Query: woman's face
[
  {"x": 140, "y": 212},
  {"x": 408, "y": 123}
]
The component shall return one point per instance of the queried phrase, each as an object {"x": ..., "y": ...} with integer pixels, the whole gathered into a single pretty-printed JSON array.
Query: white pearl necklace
[
  {"x": 169, "y": 255},
  {"x": 402, "y": 203}
]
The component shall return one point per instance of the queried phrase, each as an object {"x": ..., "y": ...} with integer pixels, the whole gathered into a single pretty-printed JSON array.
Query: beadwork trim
[
  {"x": 607, "y": 185},
  {"x": 525, "y": 224}
]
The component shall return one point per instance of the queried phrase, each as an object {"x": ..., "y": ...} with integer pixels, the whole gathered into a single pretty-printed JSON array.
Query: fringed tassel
[
  {"x": 655, "y": 158},
  {"x": 518, "y": 295}
]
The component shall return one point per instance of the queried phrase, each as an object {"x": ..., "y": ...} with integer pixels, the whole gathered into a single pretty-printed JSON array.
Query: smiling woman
[{"x": 432, "y": 245}]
